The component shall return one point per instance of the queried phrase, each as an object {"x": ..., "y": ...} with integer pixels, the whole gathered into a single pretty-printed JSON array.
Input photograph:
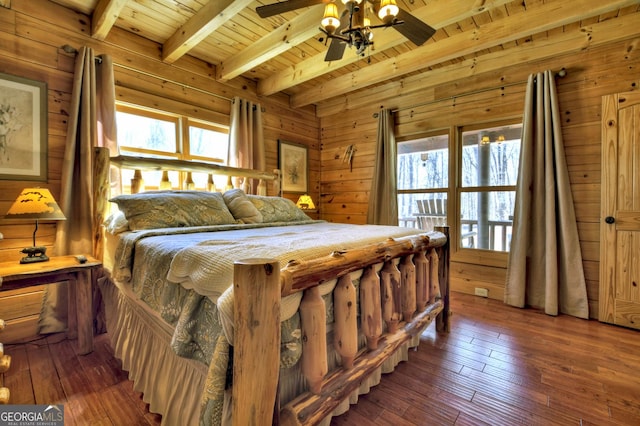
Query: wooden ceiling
[{"x": 284, "y": 53}]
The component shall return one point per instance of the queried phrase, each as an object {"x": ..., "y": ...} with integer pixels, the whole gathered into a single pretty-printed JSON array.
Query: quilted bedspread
[{"x": 182, "y": 272}]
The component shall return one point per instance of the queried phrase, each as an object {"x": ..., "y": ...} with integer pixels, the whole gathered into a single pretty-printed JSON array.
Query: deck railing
[{"x": 492, "y": 235}]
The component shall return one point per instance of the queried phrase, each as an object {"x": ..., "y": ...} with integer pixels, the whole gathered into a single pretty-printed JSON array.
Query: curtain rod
[
  {"x": 70, "y": 49},
  {"x": 186, "y": 86},
  {"x": 561, "y": 73}
]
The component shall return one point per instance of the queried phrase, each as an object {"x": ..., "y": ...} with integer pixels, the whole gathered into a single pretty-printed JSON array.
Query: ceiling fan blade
[
  {"x": 337, "y": 46},
  {"x": 335, "y": 50},
  {"x": 414, "y": 29},
  {"x": 285, "y": 6}
]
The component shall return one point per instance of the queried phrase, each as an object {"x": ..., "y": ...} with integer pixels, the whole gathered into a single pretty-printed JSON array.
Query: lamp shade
[
  {"x": 35, "y": 203},
  {"x": 388, "y": 11},
  {"x": 330, "y": 20},
  {"x": 305, "y": 202}
]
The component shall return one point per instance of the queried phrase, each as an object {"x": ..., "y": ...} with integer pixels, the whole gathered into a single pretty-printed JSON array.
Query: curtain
[
  {"x": 545, "y": 262},
  {"x": 246, "y": 140},
  {"x": 383, "y": 198},
  {"x": 91, "y": 123}
]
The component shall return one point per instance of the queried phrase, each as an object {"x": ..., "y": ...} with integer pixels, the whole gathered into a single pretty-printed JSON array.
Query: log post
[
  {"x": 345, "y": 311},
  {"x": 314, "y": 334},
  {"x": 442, "y": 321},
  {"x": 188, "y": 182},
  {"x": 422, "y": 280},
  {"x": 165, "y": 183},
  {"x": 371, "y": 306},
  {"x": 262, "y": 187},
  {"x": 408, "y": 284},
  {"x": 137, "y": 183},
  {"x": 256, "y": 340},
  {"x": 434, "y": 290},
  {"x": 389, "y": 286}
]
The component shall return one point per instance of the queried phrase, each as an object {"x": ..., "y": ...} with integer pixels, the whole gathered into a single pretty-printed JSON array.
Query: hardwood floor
[{"x": 498, "y": 366}]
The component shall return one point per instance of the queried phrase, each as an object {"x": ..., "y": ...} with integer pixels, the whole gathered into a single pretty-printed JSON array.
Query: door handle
[{"x": 609, "y": 219}]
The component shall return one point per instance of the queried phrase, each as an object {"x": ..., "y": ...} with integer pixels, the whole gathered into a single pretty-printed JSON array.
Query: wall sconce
[
  {"x": 38, "y": 204},
  {"x": 485, "y": 140},
  {"x": 305, "y": 202}
]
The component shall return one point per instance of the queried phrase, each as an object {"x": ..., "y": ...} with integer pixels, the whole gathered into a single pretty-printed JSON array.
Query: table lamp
[
  {"x": 35, "y": 204},
  {"x": 305, "y": 202}
]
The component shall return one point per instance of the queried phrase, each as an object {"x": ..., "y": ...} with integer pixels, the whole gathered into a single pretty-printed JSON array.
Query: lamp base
[{"x": 34, "y": 254}]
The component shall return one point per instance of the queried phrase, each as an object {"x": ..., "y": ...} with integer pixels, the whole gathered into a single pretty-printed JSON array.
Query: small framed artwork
[
  {"x": 293, "y": 165},
  {"x": 23, "y": 128}
]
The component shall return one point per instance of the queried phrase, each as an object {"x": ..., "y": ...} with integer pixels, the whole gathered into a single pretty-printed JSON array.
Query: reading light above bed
[{"x": 35, "y": 204}]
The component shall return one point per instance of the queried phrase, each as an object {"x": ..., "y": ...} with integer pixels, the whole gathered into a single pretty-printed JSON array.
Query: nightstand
[
  {"x": 14, "y": 275},
  {"x": 312, "y": 213}
]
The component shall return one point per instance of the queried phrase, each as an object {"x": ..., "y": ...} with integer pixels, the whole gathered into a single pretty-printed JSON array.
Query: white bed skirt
[{"x": 170, "y": 384}]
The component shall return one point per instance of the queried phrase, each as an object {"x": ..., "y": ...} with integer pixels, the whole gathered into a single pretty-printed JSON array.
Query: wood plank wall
[
  {"x": 32, "y": 33},
  {"x": 592, "y": 73}
]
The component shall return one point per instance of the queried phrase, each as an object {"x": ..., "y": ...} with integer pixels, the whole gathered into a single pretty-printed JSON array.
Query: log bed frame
[{"x": 398, "y": 300}]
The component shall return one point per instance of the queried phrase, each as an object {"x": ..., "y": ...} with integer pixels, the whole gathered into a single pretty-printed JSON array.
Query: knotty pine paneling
[
  {"x": 32, "y": 33},
  {"x": 481, "y": 98}
]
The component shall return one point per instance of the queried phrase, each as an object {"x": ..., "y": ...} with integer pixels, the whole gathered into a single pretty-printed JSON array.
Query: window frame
[
  {"x": 464, "y": 254},
  {"x": 182, "y": 150},
  {"x": 455, "y": 189},
  {"x": 444, "y": 189}
]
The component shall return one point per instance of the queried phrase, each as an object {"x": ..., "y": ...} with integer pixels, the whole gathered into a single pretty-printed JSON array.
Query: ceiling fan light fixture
[
  {"x": 330, "y": 20},
  {"x": 352, "y": 5},
  {"x": 388, "y": 11}
]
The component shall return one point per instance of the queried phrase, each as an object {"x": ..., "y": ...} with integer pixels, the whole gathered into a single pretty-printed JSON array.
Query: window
[
  {"x": 423, "y": 181},
  {"x": 488, "y": 175},
  {"x": 145, "y": 132},
  {"x": 484, "y": 198}
]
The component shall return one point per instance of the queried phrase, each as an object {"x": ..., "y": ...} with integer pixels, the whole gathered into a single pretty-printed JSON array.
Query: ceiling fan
[{"x": 353, "y": 28}]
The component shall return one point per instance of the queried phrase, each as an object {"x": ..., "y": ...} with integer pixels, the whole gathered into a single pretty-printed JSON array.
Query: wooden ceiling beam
[
  {"x": 543, "y": 18},
  {"x": 298, "y": 30},
  {"x": 574, "y": 40},
  {"x": 206, "y": 20},
  {"x": 437, "y": 13},
  {"x": 104, "y": 17}
]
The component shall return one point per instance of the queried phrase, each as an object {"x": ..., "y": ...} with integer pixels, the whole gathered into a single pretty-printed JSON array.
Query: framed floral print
[
  {"x": 23, "y": 128},
  {"x": 293, "y": 165}
]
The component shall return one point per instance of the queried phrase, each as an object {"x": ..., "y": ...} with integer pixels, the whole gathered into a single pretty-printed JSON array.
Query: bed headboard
[{"x": 102, "y": 181}]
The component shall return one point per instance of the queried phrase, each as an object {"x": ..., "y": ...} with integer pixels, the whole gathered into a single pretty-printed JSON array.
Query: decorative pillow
[
  {"x": 169, "y": 209},
  {"x": 116, "y": 223},
  {"x": 277, "y": 209},
  {"x": 241, "y": 207}
]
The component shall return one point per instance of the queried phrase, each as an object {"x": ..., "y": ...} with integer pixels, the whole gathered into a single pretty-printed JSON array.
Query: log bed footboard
[{"x": 398, "y": 300}]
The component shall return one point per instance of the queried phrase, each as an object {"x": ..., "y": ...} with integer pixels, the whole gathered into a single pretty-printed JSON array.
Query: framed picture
[
  {"x": 293, "y": 164},
  {"x": 23, "y": 128}
]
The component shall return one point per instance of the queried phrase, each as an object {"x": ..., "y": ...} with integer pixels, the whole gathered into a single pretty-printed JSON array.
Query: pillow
[
  {"x": 241, "y": 207},
  {"x": 169, "y": 209},
  {"x": 116, "y": 223},
  {"x": 277, "y": 209}
]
